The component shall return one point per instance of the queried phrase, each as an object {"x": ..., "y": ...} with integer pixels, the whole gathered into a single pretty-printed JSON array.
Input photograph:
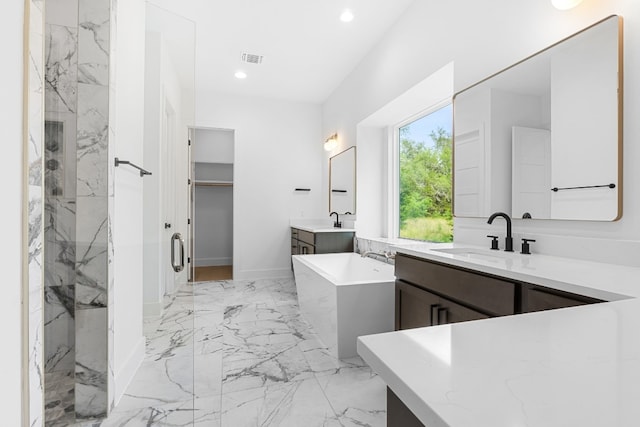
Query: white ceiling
[{"x": 307, "y": 50}]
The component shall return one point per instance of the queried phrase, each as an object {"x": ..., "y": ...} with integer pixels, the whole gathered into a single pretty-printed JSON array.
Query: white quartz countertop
[
  {"x": 321, "y": 228},
  {"x": 577, "y": 366}
]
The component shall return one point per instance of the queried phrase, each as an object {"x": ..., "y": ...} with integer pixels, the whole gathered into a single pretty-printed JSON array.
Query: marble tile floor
[{"x": 238, "y": 353}]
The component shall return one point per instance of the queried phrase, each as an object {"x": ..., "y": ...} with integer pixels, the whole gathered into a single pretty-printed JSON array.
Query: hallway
[{"x": 255, "y": 362}]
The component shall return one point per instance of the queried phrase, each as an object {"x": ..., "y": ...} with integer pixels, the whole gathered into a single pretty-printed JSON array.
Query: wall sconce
[
  {"x": 331, "y": 142},
  {"x": 565, "y": 4}
]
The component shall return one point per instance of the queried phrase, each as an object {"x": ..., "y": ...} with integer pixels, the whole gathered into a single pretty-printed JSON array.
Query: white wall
[
  {"x": 212, "y": 146},
  {"x": 128, "y": 191},
  {"x": 486, "y": 38},
  {"x": 371, "y": 178},
  {"x": 278, "y": 146},
  {"x": 11, "y": 82}
]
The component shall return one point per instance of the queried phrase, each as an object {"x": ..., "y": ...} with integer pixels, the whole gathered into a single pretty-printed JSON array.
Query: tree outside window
[{"x": 425, "y": 175}]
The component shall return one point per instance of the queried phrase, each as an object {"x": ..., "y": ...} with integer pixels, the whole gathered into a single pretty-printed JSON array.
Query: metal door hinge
[
  {"x": 188, "y": 221},
  {"x": 189, "y": 260},
  {"x": 189, "y": 181}
]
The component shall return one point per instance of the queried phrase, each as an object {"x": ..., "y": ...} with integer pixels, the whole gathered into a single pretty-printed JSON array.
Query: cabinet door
[
  {"x": 490, "y": 294},
  {"x": 415, "y": 307},
  {"x": 451, "y": 312},
  {"x": 538, "y": 299}
]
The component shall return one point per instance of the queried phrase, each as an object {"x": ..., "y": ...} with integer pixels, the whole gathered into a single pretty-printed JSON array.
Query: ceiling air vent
[{"x": 251, "y": 58}]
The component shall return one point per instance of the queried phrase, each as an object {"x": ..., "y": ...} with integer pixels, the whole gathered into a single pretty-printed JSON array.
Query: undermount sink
[{"x": 475, "y": 253}]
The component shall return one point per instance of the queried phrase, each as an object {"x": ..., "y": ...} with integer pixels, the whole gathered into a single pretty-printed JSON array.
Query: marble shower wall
[{"x": 34, "y": 197}]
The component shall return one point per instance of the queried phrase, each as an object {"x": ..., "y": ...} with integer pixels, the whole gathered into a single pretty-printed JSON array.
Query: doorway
[{"x": 212, "y": 204}]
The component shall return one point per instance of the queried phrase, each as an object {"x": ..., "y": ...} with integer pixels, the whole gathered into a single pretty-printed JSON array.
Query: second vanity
[
  {"x": 320, "y": 239},
  {"x": 522, "y": 361}
]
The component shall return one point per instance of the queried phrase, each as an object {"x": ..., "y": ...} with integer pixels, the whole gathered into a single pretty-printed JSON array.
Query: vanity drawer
[
  {"x": 307, "y": 237},
  {"x": 491, "y": 295}
]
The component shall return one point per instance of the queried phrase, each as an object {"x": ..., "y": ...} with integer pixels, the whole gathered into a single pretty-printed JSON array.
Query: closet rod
[{"x": 213, "y": 184}]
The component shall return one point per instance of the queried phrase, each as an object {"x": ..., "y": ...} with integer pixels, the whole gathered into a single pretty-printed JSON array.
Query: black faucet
[
  {"x": 337, "y": 223},
  {"x": 508, "y": 241}
]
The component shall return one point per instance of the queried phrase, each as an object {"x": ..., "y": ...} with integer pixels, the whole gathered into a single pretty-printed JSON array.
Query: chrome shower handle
[{"x": 177, "y": 267}]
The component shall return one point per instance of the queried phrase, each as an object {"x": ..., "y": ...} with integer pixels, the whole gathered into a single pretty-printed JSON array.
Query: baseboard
[
  {"x": 152, "y": 309},
  {"x": 275, "y": 273},
  {"x": 126, "y": 374},
  {"x": 213, "y": 262}
]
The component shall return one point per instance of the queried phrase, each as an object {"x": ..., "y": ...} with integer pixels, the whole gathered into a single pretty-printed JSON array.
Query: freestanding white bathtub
[{"x": 344, "y": 296}]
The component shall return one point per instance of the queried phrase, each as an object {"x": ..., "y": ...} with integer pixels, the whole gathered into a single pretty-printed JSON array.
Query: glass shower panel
[
  {"x": 76, "y": 125},
  {"x": 60, "y": 140}
]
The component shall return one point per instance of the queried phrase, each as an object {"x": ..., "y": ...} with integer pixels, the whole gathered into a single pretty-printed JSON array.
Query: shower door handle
[{"x": 177, "y": 267}]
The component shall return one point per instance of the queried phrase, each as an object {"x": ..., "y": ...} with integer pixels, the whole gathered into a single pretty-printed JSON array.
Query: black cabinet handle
[
  {"x": 443, "y": 316},
  {"x": 434, "y": 314}
]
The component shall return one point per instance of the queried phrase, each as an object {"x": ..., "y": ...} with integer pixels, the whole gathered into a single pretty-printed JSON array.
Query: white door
[{"x": 531, "y": 164}]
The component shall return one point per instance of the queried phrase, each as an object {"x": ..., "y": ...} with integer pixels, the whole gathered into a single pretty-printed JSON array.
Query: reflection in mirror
[
  {"x": 542, "y": 138},
  {"x": 342, "y": 182}
]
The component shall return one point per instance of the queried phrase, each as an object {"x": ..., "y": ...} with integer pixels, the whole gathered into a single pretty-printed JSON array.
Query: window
[{"x": 425, "y": 177}]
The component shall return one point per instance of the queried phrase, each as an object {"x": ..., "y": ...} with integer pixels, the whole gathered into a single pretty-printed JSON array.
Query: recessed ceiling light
[
  {"x": 240, "y": 75},
  {"x": 347, "y": 16}
]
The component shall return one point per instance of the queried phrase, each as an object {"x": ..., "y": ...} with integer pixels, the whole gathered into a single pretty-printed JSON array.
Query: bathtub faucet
[{"x": 386, "y": 254}]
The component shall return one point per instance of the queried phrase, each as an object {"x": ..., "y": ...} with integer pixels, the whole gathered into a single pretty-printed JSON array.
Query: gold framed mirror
[{"x": 342, "y": 182}]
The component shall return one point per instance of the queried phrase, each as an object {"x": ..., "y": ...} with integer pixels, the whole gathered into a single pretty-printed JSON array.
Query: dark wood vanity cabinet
[
  {"x": 428, "y": 294},
  {"x": 305, "y": 242}
]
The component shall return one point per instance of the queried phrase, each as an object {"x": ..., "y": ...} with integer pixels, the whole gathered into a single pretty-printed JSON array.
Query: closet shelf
[{"x": 213, "y": 183}]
